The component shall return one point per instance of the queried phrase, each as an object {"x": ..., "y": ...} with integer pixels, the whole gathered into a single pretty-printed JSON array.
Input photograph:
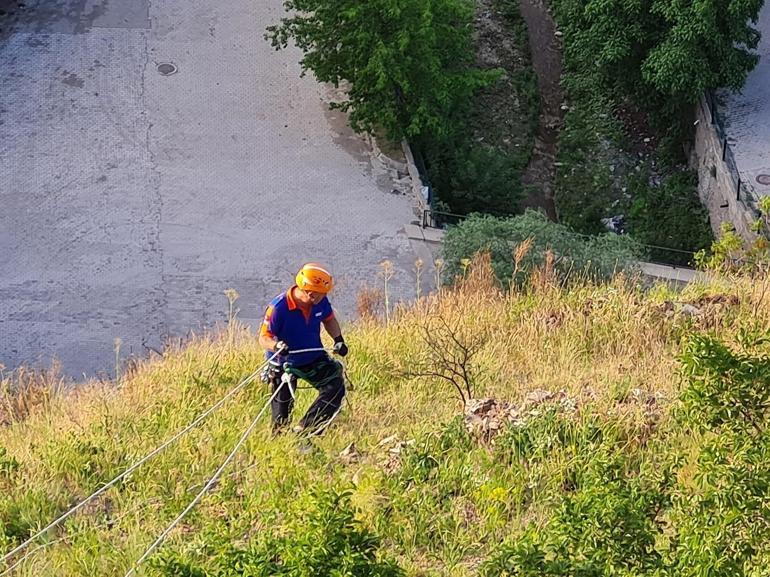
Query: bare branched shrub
[
  {"x": 449, "y": 350},
  {"x": 369, "y": 301},
  {"x": 25, "y": 391}
]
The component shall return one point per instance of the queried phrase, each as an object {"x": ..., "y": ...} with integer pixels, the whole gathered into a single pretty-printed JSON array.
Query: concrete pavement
[
  {"x": 747, "y": 117},
  {"x": 131, "y": 199}
]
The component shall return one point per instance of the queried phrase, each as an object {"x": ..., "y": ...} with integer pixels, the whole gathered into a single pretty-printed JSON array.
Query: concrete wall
[
  {"x": 416, "y": 181},
  {"x": 718, "y": 180}
]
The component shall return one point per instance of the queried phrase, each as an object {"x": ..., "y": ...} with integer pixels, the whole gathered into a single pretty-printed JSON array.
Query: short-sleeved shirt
[{"x": 300, "y": 328}]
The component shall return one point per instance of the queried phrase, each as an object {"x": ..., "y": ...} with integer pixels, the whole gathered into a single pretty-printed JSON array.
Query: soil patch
[
  {"x": 545, "y": 47},
  {"x": 505, "y": 114}
]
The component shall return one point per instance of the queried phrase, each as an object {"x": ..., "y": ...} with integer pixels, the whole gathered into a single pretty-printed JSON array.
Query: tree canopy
[
  {"x": 663, "y": 52},
  {"x": 407, "y": 63}
]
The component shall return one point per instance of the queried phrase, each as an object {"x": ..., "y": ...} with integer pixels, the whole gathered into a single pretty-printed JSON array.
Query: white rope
[
  {"x": 72, "y": 534},
  {"x": 147, "y": 457},
  {"x": 136, "y": 465},
  {"x": 205, "y": 489}
]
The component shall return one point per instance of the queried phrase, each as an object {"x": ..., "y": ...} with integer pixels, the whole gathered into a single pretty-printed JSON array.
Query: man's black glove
[
  {"x": 281, "y": 348},
  {"x": 340, "y": 347}
]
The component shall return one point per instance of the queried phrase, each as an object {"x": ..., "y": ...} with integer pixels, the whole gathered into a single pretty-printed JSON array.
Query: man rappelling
[{"x": 292, "y": 329}]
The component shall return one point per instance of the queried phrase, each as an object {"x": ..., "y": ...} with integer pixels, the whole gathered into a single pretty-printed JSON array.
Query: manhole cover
[
  {"x": 167, "y": 69},
  {"x": 764, "y": 179}
]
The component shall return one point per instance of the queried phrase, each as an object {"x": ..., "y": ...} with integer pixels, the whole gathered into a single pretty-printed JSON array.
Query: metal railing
[{"x": 679, "y": 257}]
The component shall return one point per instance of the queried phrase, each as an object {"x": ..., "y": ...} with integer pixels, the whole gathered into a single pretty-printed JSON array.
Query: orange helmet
[{"x": 314, "y": 277}]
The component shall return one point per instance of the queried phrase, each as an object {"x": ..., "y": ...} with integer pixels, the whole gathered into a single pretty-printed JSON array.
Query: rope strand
[
  {"x": 205, "y": 489},
  {"x": 136, "y": 465}
]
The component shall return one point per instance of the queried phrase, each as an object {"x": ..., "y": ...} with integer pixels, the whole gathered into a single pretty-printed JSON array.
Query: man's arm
[
  {"x": 268, "y": 342},
  {"x": 267, "y": 339},
  {"x": 332, "y": 327}
]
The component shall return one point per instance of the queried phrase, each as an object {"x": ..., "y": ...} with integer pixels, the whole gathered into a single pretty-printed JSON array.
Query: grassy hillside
[{"x": 591, "y": 374}]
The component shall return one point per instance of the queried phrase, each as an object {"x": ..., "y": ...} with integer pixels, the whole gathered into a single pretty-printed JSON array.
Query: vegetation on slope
[
  {"x": 633, "y": 73},
  {"x": 627, "y": 420}
]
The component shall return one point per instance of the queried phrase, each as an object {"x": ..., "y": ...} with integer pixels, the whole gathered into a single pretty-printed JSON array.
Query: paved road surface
[
  {"x": 748, "y": 117},
  {"x": 130, "y": 200}
]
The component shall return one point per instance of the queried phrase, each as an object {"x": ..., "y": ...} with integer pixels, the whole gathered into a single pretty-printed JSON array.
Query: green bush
[
  {"x": 606, "y": 528},
  {"x": 720, "y": 514},
  {"x": 670, "y": 215},
  {"x": 594, "y": 257},
  {"x": 698, "y": 510},
  {"x": 324, "y": 540}
]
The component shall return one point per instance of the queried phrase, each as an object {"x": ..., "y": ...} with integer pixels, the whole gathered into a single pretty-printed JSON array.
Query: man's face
[{"x": 312, "y": 297}]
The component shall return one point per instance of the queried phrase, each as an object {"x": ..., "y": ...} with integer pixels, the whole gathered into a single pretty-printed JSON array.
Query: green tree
[
  {"x": 407, "y": 63},
  {"x": 664, "y": 54},
  {"x": 706, "y": 45}
]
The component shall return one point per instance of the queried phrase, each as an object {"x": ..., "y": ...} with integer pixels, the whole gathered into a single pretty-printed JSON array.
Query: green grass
[{"x": 433, "y": 499}]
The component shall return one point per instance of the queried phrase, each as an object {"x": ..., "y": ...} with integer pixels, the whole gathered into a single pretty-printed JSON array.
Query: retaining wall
[{"x": 719, "y": 183}]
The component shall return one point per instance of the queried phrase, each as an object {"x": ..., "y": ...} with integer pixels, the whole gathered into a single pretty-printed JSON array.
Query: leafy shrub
[
  {"x": 720, "y": 511},
  {"x": 607, "y": 527},
  {"x": 595, "y": 257},
  {"x": 699, "y": 512},
  {"x": 325, "y": 540},
  {"x": 475, "y": 178},
  {"x": 670, "y": 215}
]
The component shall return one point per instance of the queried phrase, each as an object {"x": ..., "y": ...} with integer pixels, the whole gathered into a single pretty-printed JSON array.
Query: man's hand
[
  {"x": 340, "y": 347},
  {"x": 281, "y": 348}
]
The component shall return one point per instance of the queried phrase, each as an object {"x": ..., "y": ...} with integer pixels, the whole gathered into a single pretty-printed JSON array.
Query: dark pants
[{"x": 325, "y": 375}]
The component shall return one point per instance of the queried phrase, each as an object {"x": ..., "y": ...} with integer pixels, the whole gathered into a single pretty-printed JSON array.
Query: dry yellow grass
[{"x": 613, "y": 346}]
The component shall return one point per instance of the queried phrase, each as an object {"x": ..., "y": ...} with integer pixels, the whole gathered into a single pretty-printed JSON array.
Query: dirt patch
[
  {"x": 505, "y": 114},
  {"x": 545, "y": 47},
  {"x": 642, "y": 139}
]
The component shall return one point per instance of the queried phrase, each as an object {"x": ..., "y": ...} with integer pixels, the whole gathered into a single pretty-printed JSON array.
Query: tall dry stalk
[
  {"x": 387, "y": 272},
  {"x": 232, "y": 312},
  {"x": 117, "y": 345},
  {"x": 438, "y": 268},
  {"x": 521, "y": 251},
  {"x": 418, "y": 268}
]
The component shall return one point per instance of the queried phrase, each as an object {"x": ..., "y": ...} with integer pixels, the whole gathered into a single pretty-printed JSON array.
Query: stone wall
[
  {"x": 719, "y": 184},
  {"x": 418, "y": 190}
]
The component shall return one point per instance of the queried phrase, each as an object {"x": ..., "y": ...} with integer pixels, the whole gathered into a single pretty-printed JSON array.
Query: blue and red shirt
[{"x": 298, "y": 325}]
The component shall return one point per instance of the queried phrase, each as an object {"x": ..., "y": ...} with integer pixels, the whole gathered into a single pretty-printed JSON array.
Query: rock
[
  {"x": 484, "y": 418},
  {"x": 350, "y": 454},
  {"x": 388, "y": 441},
  {"x": 690, "y": 311},
  {"x": 540, "y": 396}
]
